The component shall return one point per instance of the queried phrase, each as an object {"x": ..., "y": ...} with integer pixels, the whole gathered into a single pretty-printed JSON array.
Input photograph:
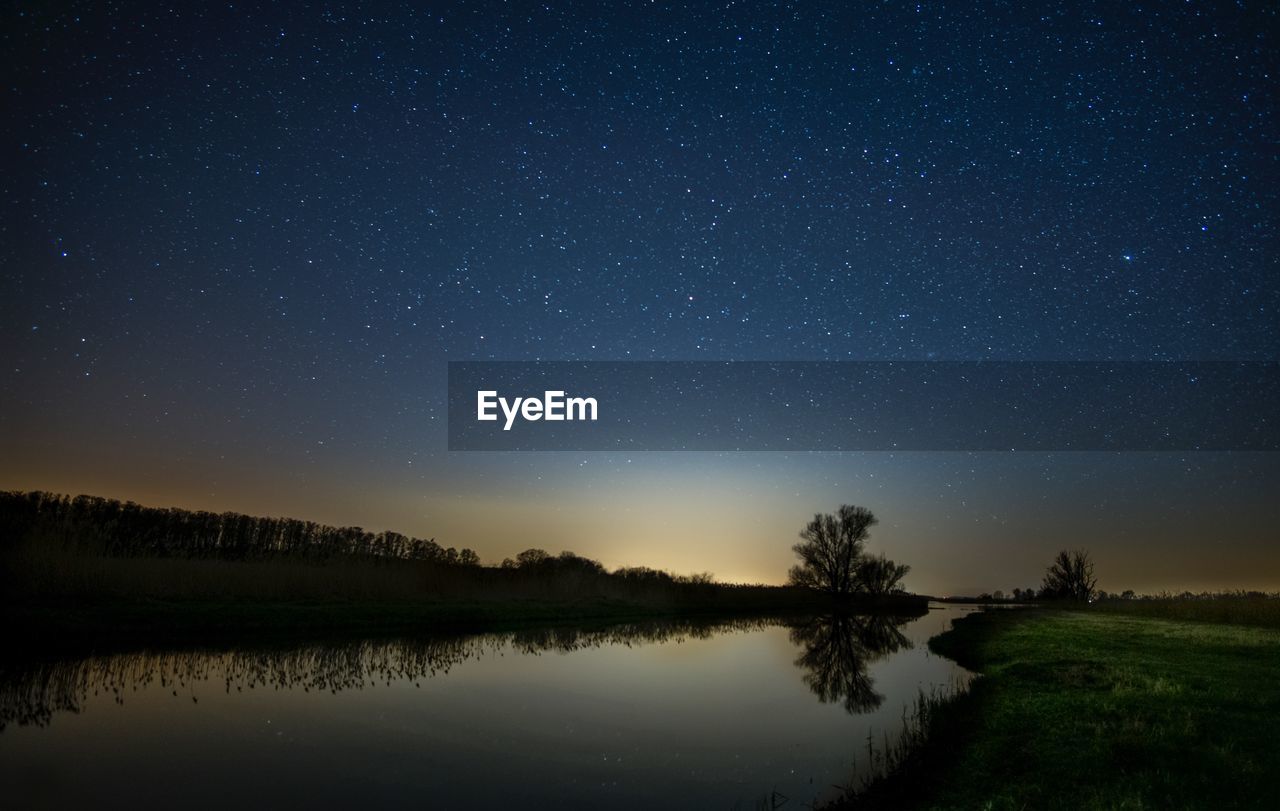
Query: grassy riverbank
[{"x": 1099, "y": 709}]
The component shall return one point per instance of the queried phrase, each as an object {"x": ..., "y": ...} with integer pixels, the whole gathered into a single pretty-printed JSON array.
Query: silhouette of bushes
[
  {"x": 90, "y": 524},
  {"x": 55, "y": 546}
]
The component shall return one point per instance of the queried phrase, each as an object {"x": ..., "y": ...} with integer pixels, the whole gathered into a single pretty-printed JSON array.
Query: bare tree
[
  {"x": 1070, "y": 577},
  {"x": 830, "y": 550}
]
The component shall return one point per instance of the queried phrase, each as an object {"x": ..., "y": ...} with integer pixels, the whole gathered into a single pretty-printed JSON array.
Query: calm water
[{"x": 642, "y": 716}]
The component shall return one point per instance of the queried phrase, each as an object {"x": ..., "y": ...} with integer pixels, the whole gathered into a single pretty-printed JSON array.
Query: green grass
[
  {"x": 1097, "y": 709},
  {"x": 1222, "y": 608}
]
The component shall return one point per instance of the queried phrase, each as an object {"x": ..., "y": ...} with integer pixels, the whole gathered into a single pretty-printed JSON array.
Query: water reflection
[
  {"x": 835, "y": 653},
  {"x": 32, "y": 691},
  {"x": 645, "y": 715}
]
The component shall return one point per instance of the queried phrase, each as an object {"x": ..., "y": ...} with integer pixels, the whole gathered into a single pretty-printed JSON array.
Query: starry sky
[{"x": 241, "y": 244}]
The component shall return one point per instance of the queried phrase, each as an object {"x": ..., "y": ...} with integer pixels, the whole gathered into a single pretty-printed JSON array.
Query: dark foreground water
[{"x": 656, "y": 715}]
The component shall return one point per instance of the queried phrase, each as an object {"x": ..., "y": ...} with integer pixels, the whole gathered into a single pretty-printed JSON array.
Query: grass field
[
  {"x": 1228, "y": 608},
  {"x": 1100, "y": 709}
]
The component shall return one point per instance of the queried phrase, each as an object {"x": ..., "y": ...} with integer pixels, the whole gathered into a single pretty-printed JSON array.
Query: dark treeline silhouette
[
  {"x": 1128, "y": 595},
  {"x": 79, "y": 551},
  {"x": 1068, "y": 578},
  {"x": 122, "y": 528},
  {"x": 1238, "y": 594}
]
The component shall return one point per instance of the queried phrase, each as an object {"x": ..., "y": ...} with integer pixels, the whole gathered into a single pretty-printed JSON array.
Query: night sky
[{"x": 240, "y": 245}]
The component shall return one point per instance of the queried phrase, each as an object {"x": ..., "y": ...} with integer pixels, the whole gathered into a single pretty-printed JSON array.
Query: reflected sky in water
[{"x": 633, "y": 716}]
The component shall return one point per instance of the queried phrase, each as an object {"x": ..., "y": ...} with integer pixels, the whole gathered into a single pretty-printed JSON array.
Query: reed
[{"x": 1231, "y": 608}]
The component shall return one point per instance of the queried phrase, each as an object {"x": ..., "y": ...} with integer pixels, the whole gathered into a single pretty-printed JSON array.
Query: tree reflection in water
[
  {"x": 34, "y": 688},
  {"x": 836, "y": 650}
]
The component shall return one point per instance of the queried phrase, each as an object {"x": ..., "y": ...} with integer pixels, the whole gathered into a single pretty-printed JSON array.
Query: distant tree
[
  {"x": 643, "y": 574},
  {"x": 830, "y": 550},
  {"x": 532, "y": 557},
  {"x": 1127, "y": 594},
  {"x": 1070, "y": 577},
  {"x": 468, "y": 557},
  {"x": 1017, "y": 594},
  {"x": 569, "y": 562},
  {"x": 699, "y": 579},
  {"x": 998, "y": 594}
]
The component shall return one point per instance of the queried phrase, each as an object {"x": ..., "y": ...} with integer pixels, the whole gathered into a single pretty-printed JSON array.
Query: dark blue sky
[{"x": 240, "y": 244}]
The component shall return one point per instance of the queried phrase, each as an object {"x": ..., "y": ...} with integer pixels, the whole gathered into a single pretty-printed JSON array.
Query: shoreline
[
  {"x": 122, "y": 624},
  {"x": 1163, "y": 712}
]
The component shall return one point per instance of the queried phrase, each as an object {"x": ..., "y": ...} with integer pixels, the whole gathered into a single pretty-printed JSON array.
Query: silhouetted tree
[
  {"x": 643, "y": 574},
  {"x": 830, "y": 550},
  {"x": 832, "y": 557},
  {"x": 532, "y": 557},
  {"x": 1070, "y": 577}
]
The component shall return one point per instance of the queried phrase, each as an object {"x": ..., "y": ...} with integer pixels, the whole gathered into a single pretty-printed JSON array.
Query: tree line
[
  {"x": 96, "y": 525},
  {"x": 833, "y": 559},
  {"x": 92, "y": 525}
]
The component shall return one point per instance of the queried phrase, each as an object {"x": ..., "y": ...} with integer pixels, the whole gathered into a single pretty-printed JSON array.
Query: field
[
  {"x": 1102, "y": 709},
  {"x": 1227, "y": 608}
]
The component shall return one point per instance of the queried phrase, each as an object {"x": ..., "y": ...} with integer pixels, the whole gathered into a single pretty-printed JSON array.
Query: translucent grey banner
[{"x": 863, "y": 406}]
